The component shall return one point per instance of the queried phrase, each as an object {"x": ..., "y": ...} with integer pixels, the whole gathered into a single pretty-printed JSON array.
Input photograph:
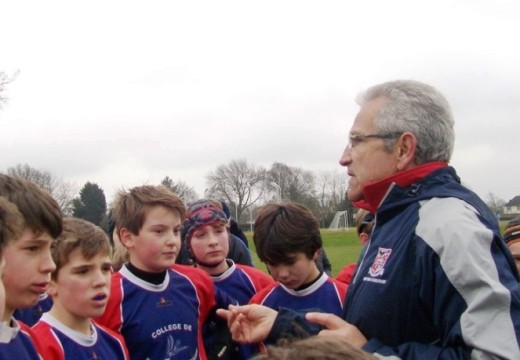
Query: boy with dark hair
[
  {"x": 157, "y": 306},
  {"x": 287, "y": 239},
  {"x": 28, "y": 261},
  {"x": 79, "y": 288},
  {"x": 205, "y": 232}
]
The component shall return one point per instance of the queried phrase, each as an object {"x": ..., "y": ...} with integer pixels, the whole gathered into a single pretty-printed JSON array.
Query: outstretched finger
[{"x": 224, "y": 314}]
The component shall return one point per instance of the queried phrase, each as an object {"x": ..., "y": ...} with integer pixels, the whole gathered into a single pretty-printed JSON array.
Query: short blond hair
[{"x": 131, "y": 207}]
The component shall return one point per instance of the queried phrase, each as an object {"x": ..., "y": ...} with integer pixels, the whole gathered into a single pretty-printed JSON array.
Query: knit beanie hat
[
  {"x": 512, "y": 231},
  {"x": 202, "y": 212}
]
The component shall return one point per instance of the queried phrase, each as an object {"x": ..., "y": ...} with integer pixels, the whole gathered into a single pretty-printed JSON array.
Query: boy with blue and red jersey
[
  {"x": 206, "y": 235},
  {"x": 79, "y": 288},
  {"x": 158, "y": 307},
  {"x": 287, "y": 239},
  {"x": 28, "y": 263}
]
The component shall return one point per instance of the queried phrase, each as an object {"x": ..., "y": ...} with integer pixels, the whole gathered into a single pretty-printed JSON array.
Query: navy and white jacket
[{"x": 436, "y": 280}]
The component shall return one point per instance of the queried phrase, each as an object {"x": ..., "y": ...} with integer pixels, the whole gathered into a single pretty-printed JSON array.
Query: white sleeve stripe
[{"x": 452, "y": 229}]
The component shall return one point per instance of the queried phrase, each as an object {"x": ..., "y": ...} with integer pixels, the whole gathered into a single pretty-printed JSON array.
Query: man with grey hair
[{"x": 436, "y": 280}]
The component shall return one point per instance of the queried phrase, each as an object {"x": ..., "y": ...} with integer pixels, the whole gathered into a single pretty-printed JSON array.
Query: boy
[
  {"x": 238, "y": 248},
  {"x": 79, "y": 288},
  {"x": 28, "y": 260},
  {"x": 364, "y": 225},
  {"x": 287, "y": 239},
  {"x": 205, "y": 233},
  {"x": 157, "y": 306}
]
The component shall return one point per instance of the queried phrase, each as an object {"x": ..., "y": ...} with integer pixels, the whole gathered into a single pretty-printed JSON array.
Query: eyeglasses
[{"x": 355, "y": 139}]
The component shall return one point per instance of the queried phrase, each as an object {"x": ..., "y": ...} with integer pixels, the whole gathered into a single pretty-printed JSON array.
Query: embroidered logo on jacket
[{"x": 378, "y": 267}]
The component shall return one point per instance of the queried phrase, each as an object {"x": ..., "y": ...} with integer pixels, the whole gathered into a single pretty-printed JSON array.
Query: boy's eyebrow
[
  {"x": 158, "y": 225},
  {"x": 164, "y": 225},
  {"x": 90, "y": 264},
  {"x": 37, "y": 240}
]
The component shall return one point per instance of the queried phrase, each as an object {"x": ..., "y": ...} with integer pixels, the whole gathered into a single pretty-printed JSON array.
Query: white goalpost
[{"x": 339, "y": 221}]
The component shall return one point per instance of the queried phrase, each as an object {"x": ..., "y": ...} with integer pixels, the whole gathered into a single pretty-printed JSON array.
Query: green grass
[{"x": 342, "y": 248}]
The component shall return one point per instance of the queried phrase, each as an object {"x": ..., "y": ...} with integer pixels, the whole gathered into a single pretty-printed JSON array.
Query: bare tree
[
  {"x": 4, "y": 80},
  {"x": 238, "y": 183},
  {"x": 185, "y": 192},
  {"x": 495, "y": 203},
  {"x": 293, "y": 183},
  {"x": 331, "y": 187},
  {"x": 63, "y": 192}
]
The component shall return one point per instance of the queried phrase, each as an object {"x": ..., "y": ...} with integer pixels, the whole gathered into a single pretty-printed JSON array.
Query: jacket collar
[{"x": 375, "y": 192}]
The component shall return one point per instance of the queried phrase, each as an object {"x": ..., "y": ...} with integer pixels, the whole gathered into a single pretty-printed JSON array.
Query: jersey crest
[{"x": 378, "y": 267}]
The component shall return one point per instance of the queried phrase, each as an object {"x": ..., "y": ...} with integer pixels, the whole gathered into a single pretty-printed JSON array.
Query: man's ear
[
  {"x": 406, "y": 148},
  {"x": 126, "y": 237}
]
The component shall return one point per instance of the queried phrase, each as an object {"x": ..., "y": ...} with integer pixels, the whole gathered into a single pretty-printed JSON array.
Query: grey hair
[{"x": 418, "y": 108}]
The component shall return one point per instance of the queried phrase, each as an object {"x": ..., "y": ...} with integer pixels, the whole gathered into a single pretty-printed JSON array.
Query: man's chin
[{"x": 354, "y": 196}]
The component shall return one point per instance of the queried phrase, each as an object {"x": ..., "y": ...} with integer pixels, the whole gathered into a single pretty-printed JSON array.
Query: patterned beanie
[
  {"x": 202, "y": 212},
  {"x": 512, "y": 231}
]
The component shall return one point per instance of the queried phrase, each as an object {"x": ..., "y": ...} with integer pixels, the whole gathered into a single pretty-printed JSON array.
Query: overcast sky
[{"x": 122, "y": 93}]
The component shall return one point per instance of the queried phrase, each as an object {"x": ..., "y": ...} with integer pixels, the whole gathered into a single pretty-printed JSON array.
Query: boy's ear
[
  {"x": 126, "y": 237},
  {"x": 363, "y": 237},
  {"x": 316, "y": 255}
]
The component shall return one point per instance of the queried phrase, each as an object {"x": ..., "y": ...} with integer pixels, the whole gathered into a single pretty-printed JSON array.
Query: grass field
[{"x": 342, "y": 247}]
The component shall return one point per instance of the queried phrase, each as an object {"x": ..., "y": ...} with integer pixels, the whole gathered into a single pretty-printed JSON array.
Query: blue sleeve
[{"x": 291, "y": 324}]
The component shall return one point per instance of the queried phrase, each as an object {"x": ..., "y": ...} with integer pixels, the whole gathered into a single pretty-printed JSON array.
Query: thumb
[{"x": 329, "y": 321}]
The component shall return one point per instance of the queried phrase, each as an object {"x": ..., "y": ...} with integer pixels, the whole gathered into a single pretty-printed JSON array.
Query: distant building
[{"x": 512, "y": 207}]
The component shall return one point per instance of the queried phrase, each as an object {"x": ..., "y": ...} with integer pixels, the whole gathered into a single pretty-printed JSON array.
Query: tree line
[{"x": 242, "y": 185}]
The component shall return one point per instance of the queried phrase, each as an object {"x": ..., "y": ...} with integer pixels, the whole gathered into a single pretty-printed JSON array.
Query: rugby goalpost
[{"x": 340, "y": 220}]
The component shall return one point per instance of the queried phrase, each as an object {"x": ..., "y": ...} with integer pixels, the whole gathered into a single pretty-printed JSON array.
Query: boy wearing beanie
[{"x": 205, "y": 233}]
